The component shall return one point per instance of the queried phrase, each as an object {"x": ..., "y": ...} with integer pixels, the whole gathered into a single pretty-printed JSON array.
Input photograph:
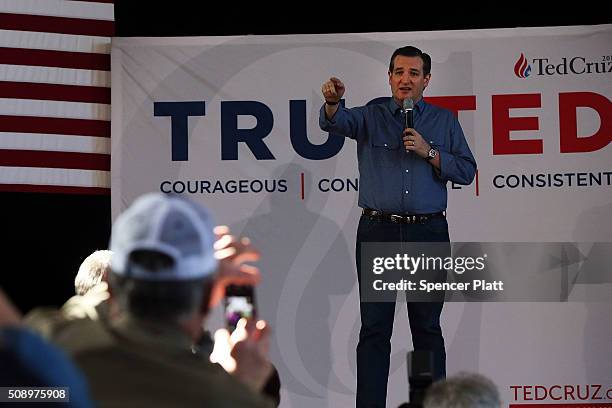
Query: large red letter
[
  {"x": 503, "y": 124},
  {"x": 570, "y": 141}
]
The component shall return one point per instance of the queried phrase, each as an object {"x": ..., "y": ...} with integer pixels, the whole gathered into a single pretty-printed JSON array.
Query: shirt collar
[{"x": 394, "y": 107}]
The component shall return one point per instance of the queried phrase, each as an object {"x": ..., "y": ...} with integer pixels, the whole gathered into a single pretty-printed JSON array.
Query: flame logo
[{"x": 522, "y": 69}]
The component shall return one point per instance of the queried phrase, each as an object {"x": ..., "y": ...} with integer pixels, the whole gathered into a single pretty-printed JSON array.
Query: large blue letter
[
  {"x": 231, "y": 135},
  {"x": 179, "y": 112},
  {"x": 299, "y": 138}
]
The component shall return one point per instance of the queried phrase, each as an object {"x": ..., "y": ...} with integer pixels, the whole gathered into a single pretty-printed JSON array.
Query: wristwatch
[{"x": 431, "y": 154}]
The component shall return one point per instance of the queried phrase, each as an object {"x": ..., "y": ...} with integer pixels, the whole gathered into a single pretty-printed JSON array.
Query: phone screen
[{"x": 239, "y": 303}]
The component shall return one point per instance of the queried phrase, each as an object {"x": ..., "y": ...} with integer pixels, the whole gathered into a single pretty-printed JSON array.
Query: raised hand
[{"x": 333, "y": 90}]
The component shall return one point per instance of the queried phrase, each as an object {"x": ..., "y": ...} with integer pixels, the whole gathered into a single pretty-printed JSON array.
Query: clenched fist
[{"x": 333, "y": 90}]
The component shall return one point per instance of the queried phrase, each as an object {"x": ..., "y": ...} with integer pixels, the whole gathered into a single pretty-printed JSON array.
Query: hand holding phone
[
  {"x": 245, "y": 353},
  {"x": 239, "y": 303}
]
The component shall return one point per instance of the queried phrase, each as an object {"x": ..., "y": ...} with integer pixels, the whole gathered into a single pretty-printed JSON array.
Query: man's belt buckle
[
  {"x": 405, "y": 219},
  {"x": 396, "y": 218}
]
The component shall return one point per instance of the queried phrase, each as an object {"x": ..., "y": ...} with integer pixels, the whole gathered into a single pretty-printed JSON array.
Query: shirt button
[
  {"x": 406, "y": 191},
  {"x": 406, "y": 171},
  {"x": 385, "y": 145}
]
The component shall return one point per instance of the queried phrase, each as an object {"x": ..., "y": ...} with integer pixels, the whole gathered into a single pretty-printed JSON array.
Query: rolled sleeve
[
  {"x": 324, "y": 123},
  {"x": 346, "y": 122},
  {"x": 457, "y": 165}
]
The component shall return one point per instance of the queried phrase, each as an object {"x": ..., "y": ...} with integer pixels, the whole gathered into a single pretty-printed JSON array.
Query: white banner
[{"x": 232, "y": 122}]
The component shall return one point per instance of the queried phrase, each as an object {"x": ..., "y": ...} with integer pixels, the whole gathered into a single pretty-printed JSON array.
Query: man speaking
[{"x": 407, "y": 151}]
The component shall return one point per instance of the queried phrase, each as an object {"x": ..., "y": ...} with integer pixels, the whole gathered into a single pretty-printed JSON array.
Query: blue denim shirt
[{"x": 392, "y": 179}]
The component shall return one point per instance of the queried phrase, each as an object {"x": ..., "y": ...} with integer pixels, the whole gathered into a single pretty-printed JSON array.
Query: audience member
[
  {"x": 165, "y": 273},
  {"x": 94, "y": 269},
  {"x": 29, "y": 361},
  {"x": 464, "y": 390}
]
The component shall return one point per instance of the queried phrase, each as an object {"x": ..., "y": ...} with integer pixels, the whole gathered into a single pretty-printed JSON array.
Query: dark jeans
[{"x": 374, "y": 348}]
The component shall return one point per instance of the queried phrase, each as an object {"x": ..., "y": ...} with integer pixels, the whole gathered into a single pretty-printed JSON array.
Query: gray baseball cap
[{"x": 171, "y": 225}]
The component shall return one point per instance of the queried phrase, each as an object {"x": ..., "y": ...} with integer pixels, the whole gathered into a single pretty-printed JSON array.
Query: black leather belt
[{"x": 402, "y": 218}]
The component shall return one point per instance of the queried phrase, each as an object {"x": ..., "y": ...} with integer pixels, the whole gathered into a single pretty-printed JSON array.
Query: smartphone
[{"x": 239, "y": 302}]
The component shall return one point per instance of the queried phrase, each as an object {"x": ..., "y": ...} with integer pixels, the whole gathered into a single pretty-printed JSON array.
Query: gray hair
[
  {"x": 94, "y": 269},
  {"x": 464, "y": 390}
]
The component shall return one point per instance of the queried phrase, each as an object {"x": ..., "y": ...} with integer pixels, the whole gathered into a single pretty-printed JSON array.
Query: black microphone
[{"x": 408, "y": 108}]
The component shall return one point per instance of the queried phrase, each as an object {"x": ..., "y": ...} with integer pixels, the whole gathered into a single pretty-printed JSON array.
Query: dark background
[{"x": 48, "y": 235}]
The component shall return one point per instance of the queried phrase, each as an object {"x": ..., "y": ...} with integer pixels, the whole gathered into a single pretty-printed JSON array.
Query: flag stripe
[
  {"x": 51, "y": 24},
  {"x": 77, "y": 9},
  {"x": 63, "y": 160},
  {"x": 70, "y": 93},
  {"x": 55, "y": 177},
  {"x": 56, "y": 109},
  {"x": 54, "y": 75},
  {"x": 32, "y": 188},
  {"x": 54, "y": 42},
  {"x": 61, "y": 126},
  {"x": 48, "y": 58},
  {"x": 54, "y": 143}
]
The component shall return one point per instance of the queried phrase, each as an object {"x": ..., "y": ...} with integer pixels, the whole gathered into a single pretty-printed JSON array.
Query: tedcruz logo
[
  {"x": 522, "y": 69},
  {"x": 565, "y": 66}
]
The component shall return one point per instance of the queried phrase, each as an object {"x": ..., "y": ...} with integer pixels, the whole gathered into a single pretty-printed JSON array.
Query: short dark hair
[
  {"x": 410, "y": 51},
  {"x": 168, "y": 301}
]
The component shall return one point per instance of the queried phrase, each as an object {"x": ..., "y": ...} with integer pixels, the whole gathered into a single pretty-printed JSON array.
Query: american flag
[{"x": 55, "y": 96}]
